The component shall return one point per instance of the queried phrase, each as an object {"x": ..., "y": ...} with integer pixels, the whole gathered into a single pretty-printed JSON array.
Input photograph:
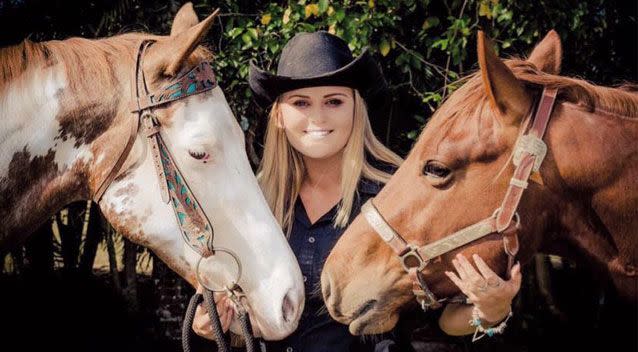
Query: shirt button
[
  {"x": 289, "y": 349},
  {"x": 305, "y": 278},
  {"x": 311, "y": 239}
]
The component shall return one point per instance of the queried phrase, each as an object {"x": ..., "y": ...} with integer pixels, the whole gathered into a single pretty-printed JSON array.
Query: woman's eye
[
  {"x": 300, "y": 103},
  {"x": 334, "y": 102},
  {"x": 434, "y": 169}
]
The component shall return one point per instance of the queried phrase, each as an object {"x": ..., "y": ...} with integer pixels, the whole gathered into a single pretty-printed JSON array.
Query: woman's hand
[
  {"x": 490, "y": 294},
  {"x": 203, "y": 326}
]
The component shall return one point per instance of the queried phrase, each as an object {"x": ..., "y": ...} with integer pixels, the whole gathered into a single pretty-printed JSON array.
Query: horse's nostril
[
  {"x": 366, "y": 307},
  {"x": 288, "y": 309}
]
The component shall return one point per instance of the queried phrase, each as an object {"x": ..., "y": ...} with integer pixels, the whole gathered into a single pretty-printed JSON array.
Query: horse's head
[
  {"x": 207, "y": 146},
  {"x": 456, "y": 175}
]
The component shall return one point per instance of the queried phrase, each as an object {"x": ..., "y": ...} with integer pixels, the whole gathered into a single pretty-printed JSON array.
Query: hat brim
[{"x": 362, "y": 73}]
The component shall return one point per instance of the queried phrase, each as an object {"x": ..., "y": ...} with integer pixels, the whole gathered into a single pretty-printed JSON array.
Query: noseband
[
  {"x": 195, "y": 227},
  {"x": 505, "y": 221}
]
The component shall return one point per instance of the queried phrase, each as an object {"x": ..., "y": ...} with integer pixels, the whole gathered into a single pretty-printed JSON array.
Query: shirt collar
[{"x": 365, "y": 186}]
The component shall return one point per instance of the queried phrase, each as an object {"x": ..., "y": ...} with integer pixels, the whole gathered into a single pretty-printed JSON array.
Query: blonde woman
[{"x": 321, "y": 162}]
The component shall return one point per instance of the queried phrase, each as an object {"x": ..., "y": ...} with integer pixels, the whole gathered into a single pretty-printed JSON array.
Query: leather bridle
[
  {"x": 528, "y": 155},
  {"x": 195, "y": 227}
]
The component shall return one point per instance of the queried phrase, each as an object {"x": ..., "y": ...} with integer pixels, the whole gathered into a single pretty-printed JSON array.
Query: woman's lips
[{"x": 317, "y": 134}]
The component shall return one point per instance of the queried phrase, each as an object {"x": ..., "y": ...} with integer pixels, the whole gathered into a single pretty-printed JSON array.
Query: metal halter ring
[
  {"x": 516, "y": 218},
  {"x": 413, "y": 253},
  {"x": 224, "y": 288}
]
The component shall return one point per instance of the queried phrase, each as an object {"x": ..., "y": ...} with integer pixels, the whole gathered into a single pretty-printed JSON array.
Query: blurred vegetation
[{"x": 423, "y": 46}]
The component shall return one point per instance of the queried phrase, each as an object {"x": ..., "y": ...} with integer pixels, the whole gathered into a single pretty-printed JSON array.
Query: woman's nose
[{"x": 317, "y": 116}]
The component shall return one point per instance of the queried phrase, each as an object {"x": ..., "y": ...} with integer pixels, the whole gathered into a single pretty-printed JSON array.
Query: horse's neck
[
  {"x": 594, "y": 162},
  {"x": 46, "y": 135}
]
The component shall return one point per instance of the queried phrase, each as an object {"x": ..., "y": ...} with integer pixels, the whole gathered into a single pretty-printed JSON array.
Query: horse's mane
[
  {"x": 85, "y": 60},
  {"x": 620, "y": 100},
  {"x": 469, "y": 99}
]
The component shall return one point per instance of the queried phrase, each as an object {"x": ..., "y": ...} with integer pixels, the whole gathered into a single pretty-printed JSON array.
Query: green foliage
[{"x": 423, "y": 46}]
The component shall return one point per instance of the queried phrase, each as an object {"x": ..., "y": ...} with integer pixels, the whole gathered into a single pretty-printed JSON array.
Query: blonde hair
[{"x": 282, "y": 169}]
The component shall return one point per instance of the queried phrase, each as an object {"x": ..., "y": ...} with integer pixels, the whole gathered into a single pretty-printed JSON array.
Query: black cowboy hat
[{"x": 320, "y": 59}]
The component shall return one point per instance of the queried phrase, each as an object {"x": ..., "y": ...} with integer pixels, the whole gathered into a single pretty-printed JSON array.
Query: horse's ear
[
  {"x": 547, "y": 55},
  {"x": 168, "y": 55},
  {"x": 184, "y": 19},
  {"x": 507, "y": 94}
]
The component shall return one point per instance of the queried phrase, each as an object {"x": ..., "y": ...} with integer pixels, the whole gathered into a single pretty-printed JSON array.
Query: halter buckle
[
  {"x": 533, "y": 146},
  {"x": 412, "y": 252}
]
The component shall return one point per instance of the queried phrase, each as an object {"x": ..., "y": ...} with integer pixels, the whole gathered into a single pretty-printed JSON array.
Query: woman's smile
[{"x": 317, "y": 134}]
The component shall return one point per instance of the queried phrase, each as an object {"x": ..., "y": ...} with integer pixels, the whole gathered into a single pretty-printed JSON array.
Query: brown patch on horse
[
  {"x": 33, "y": 190},
  {"x": 127, "y": 224}
]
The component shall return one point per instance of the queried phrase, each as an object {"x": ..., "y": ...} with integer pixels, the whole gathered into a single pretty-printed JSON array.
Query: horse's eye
[
  {"x": 198, "y": 155},
  {"x": 436, "y": 169}
]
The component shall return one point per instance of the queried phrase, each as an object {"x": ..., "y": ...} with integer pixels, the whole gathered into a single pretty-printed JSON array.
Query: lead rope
[
  {"x": 222, "y": 344},
  {"x": 220, "y": 338}
]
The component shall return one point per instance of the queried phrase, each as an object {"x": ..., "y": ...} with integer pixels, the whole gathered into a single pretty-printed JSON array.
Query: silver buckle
[
  {"x": 413, "y": 253},
  {"x": 533, "y": 146}
]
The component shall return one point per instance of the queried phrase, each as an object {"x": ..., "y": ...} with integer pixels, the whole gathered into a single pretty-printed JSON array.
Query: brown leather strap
[
  {"x": 524, "y": 169},
  {"x": 199, "y": 79},
  {"x": 135, "y": 123},
  {"x": 118, "y": 164},
  {"x": 151, "y": 129}
]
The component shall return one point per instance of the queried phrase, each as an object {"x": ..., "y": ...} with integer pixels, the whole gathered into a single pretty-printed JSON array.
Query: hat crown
[{"x": 313, "y": 54}]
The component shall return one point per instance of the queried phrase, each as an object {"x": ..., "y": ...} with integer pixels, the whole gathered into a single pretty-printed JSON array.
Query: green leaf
[
  {"x": 323, "y": 6},
  {"x": 484, "y": 10},
  {"x": 235, "y": 32},
  {"x": 253, "y": 33},
  {"x": 430, "y": 22},
  {"x": 384, "y": 47},
  {"x": 247, "y": 38}
]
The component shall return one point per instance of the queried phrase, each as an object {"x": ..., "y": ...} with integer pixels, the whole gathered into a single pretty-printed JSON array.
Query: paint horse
[
  {"x": 65, "y": 118},
  {"x": 583, "y": 198}
]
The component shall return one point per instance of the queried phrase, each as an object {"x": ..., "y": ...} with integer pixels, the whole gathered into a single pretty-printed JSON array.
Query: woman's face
[{"x": 318, "y": 120}]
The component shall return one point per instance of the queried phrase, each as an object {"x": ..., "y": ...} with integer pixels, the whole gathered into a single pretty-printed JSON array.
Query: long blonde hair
[{"x": 282, "y": 169}]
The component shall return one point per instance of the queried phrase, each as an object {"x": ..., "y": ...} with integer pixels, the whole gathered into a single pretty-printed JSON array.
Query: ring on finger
[
  {"x": 481, "y": 286},
  {"x": 493, "y": 281}
]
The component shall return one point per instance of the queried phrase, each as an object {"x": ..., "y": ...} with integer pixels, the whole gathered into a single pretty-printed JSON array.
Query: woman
[{"x": 321, "y": 163}]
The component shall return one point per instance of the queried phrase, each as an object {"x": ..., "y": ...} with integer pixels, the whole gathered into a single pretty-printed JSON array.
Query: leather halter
[
  {"x": 528, "y": 155},
  {"x": 194, "y": 225}
]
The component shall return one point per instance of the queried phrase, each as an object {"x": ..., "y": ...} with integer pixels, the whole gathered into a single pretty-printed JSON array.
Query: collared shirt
[{"x": 311, "y": 243}]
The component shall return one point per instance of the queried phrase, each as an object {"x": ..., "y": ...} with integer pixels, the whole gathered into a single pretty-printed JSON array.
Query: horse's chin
[{"x": 373, "y": 323}]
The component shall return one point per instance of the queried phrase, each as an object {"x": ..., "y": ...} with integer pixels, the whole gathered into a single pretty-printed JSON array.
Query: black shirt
[{"x": 311, "y": 243}]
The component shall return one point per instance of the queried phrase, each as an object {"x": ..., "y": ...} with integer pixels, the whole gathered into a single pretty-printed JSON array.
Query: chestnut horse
[
  {"x": 583, "y": 198},
  {"x": 65, "y": 119}
]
